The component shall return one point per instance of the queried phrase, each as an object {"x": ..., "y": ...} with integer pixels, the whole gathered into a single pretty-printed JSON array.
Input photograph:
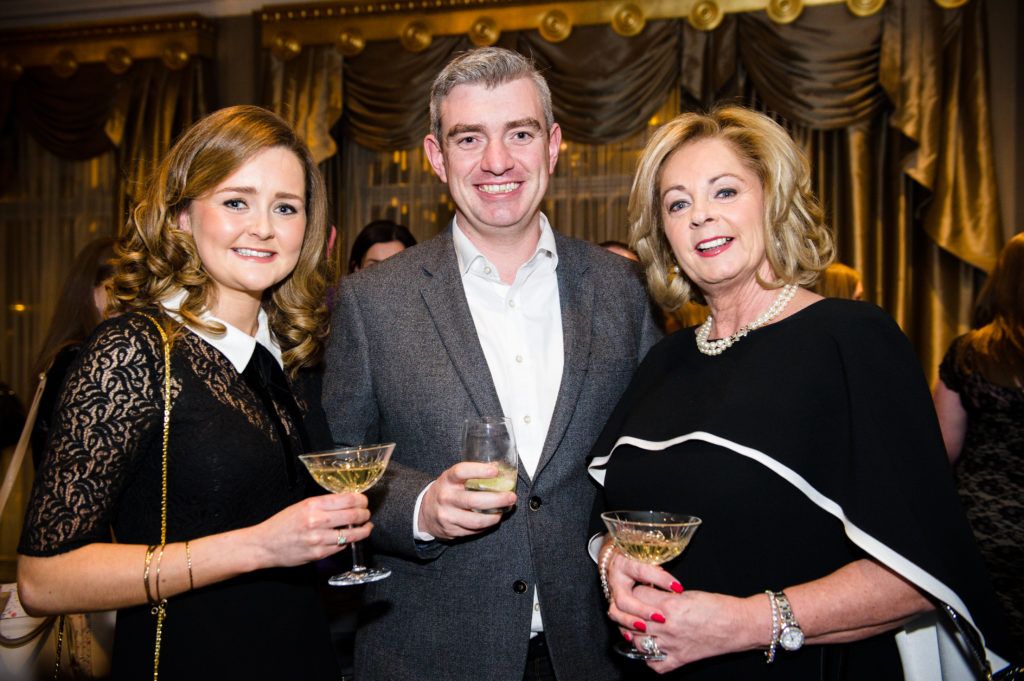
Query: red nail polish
[
  {"x": 658, "y": 617},
  {"x": 639, "y": 625},
  {"x": 677, "y": 587},
  {"x": 628, "y": 636}
]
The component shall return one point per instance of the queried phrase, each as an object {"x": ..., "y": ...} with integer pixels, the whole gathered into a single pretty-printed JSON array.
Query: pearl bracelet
[
  {"x": 770, "y": 653},
  {"x": 606, "y": 557}
]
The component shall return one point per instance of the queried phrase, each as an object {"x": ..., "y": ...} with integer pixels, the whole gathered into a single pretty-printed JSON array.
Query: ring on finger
[
  {"x": 649, "y": 644},
  {"x": 341, "y": 538}
]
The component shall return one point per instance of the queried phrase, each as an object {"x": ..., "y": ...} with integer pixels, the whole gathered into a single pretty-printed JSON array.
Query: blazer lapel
[
  {"x": 445, "y": 299},
  {"x": 576, "y": 299}
]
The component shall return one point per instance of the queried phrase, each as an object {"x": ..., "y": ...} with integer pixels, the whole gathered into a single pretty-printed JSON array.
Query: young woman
[{"x": 225, "y": 252}]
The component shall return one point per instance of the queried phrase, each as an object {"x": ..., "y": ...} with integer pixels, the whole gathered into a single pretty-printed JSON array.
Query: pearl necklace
[{"x": 717, "y": 347}]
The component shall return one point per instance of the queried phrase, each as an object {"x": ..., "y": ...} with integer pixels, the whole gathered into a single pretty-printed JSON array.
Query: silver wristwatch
[{"x": 792, "y": 636}]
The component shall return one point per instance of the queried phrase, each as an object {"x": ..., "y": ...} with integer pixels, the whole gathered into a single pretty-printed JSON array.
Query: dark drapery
[
  {"x": 892, "y": 110},
  {"x": 137, "y": 113}
]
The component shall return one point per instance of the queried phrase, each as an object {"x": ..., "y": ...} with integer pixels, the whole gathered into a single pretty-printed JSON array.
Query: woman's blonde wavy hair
[
  {"x": 154, "y": 258},
  {"x": 798, "y": 245}
]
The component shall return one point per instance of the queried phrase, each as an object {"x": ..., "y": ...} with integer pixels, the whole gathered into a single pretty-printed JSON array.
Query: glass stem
[{"x": 357, "y": 557}]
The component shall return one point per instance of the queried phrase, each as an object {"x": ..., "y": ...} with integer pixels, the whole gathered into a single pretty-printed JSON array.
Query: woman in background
[
  {"x": 378, "y": 241},
  {"x": 80, "y": 309},
  {"x": 980, "y": 401},
  {"x": 227, "y": 252}
]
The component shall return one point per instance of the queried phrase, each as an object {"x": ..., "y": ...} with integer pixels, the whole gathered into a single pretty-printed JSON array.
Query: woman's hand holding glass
[
  {"x": 689, "y": 626},
  {"x": 306, "y": 531}
]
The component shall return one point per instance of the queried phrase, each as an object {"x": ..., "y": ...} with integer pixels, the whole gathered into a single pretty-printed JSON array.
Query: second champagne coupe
[
  {"x": 350, "y": 470},
  {"x": 490, "y": 439},
  {"x": 652, "y": 537}
]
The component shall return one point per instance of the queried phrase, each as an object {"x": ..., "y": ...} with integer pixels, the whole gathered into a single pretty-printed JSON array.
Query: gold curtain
[
  {"x": 146, "y": 116},
  {"x": 52, "y": 123},
  {"x": 891, "y": 108},
  {"x": 307, "y": 91}
]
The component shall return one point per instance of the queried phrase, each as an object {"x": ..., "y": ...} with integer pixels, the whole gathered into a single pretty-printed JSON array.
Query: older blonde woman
[
  {"x": 227, "y": 252},
  {"x": 798, "y": 428}
]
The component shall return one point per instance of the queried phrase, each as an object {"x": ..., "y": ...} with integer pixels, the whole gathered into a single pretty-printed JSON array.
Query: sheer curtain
[
  {"x": 75, "y": 151},
  {"x": 51, "y": 209},
  {"x": 586, "y": 198}
]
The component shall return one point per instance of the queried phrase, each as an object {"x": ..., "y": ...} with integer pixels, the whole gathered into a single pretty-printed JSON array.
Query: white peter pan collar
[{"x": 234, "y": 344}]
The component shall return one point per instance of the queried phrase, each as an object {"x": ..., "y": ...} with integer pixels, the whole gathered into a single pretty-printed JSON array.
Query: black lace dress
[
  {"x": 990, "y": 480},
  {"x": 228, "y": 469}
]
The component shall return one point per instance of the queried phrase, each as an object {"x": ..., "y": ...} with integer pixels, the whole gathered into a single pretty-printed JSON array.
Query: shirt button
[
  {"x": 519, "y": 359},
  {"x": 519, "y": 586},
  {"x": 535, "y": 503},
  {"x": 527, "y": 419},
  {"x": 511, "y": 303},
  {"x": 487, "y": 270}
]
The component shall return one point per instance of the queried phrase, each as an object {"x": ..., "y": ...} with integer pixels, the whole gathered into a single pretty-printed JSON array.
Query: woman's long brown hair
[
  {"x": 76, "y": 315},
  {"x": 996, "y": 349}
]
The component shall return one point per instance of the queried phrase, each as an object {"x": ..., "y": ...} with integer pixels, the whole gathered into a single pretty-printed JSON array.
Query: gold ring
[{"x": 341, "y": 539}]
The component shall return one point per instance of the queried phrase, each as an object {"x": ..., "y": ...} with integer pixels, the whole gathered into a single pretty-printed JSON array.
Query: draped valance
[
  {"x": 828, "y": 70},
  {"x": 82, "y": 91}
]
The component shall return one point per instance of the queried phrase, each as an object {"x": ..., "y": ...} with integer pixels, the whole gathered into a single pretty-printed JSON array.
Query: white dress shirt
[
  {"x": 520, "y": 332},
  {"x": 234, "y": 343}
]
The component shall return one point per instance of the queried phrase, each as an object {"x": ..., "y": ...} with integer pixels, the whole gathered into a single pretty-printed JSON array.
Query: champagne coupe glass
[
  {"x": 652, "y": 537},
  {"x": 351, "y": 470},
  {"x": 490, "y": 439}
]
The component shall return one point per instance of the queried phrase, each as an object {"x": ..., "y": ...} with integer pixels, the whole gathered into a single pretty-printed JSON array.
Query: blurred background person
[
  {"x": 619, "y": 248},
  {"x": 12, "y": 416},
  {"x": 800, "y": 429},
  {"x": 227, "y": 250},
  {"x": 979, "y": 397},
  {"x": 690, "y": 313},
  {"x": 80, "y": 308},
  {"x": 840, "y": 281},
  {"x": 378, "y": 241}
]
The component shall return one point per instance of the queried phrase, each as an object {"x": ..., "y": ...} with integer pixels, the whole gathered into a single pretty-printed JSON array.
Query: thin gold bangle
[
  {"x": 188, "y": 559},
  {"x": 159, "y": 560},
  {"x": 145, "y": 574}
]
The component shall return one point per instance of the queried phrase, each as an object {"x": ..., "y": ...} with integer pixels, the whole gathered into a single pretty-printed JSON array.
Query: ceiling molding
[
  {"x": 174, "y": 39},
  {"x": 287, "y": 28}
]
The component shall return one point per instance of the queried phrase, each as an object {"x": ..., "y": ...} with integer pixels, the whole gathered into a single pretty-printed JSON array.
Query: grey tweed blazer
[{"x": 404, "y": 364}]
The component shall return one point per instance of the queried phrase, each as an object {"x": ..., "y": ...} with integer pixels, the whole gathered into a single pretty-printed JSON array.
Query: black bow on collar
[{"x": 264, "y": 376}]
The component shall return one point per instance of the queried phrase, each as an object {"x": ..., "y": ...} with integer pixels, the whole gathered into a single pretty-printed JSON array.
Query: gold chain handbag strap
[{"x": 160, "y": 608}]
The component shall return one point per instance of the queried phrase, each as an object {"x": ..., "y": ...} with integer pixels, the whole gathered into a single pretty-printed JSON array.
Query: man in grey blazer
[{"x": 498, "y": 315}]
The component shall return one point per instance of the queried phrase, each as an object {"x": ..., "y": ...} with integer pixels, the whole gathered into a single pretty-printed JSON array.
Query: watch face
[{"x": 792, "y": 638}]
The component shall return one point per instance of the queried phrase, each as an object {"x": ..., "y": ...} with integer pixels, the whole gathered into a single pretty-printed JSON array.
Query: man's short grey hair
[{"x": 490, "y": 67}]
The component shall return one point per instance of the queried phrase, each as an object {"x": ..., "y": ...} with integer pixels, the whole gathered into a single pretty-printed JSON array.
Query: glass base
[
  {"x": 627, "y": 650},
  {"x": 493, "y": 511},
  {"x": 364, "y": 576}
]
